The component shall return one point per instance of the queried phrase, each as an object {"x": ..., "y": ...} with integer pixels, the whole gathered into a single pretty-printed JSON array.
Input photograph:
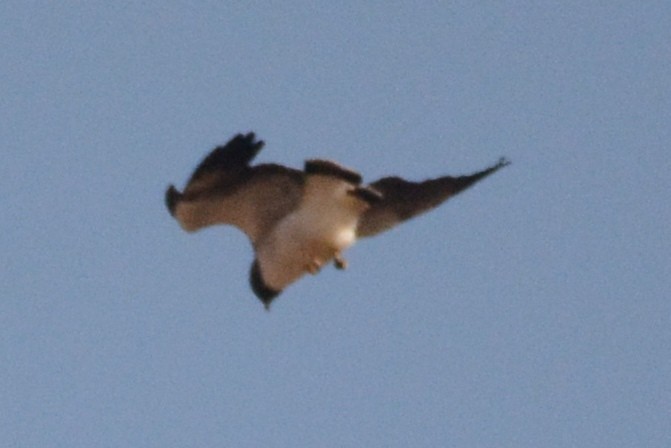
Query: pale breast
[{"x": 323, "y": 225}]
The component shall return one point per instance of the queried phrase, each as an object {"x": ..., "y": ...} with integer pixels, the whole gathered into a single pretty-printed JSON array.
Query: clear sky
[{"x": 533, "y": 310}]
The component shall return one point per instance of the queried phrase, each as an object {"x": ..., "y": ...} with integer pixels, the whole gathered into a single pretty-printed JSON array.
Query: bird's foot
[
  {"x": 314, "y": 266},
  {"x": 339, "y": 262}
]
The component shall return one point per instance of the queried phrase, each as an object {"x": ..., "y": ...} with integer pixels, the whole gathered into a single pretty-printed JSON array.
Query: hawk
[{"x": 300, "y": 220}]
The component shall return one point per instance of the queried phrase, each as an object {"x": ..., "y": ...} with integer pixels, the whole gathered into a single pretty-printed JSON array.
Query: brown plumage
[{"x": 299, "y": 221}]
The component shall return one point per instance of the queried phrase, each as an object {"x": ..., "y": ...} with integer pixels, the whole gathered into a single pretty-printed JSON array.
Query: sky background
[{"x": 532, "y": 310}]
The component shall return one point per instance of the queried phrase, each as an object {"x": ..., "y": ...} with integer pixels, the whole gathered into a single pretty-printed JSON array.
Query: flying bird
[{"x": 300, "y": 220}]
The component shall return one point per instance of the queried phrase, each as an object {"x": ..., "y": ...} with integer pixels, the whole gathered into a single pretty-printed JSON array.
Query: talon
[
  {"x": 314, "y": 266},
  {"x": 340, "y": 262}
]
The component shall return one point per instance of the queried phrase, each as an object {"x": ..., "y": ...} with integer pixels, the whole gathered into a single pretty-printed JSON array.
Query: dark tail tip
[{"x": 172, "y": 198}]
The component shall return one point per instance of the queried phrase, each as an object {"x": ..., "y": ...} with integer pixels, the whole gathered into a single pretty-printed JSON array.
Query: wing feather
[
  {"x": 238, "y": 152},
  {"x": 225, "y": 189},
  {"x": 402, "y": 199}
]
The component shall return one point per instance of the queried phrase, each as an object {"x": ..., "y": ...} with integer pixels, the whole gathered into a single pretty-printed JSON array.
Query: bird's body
[
  {"x": 299, "y": 221},
  {"x": 323, "y": 225}
]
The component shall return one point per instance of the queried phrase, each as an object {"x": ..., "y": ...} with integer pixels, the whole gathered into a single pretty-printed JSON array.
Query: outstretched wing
[
  {"x": 225, "y": 189},
  {"x": 402, "y": 199}
]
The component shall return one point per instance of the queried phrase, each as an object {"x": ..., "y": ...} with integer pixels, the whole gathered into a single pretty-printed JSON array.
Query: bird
[{"x": 299, "y": 221}]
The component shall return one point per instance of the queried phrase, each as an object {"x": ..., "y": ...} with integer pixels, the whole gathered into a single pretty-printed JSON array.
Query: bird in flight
[{"x": 300, "y": 220}]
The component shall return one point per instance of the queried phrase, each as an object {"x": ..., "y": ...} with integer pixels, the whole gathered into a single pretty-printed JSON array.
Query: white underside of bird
[{"x": 316, "y": 233}]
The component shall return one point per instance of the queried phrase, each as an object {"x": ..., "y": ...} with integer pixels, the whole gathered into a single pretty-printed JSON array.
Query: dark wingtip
[
  {"x": 265, "y": 294},
  {"x": 328, "y": 168},
  {"x": 463, "y": 182},
  {"x": 172, "y": 197},
  {"x": 503, "y": 161},
  {"x": 238, "y": 152},
  {"x": 249, "y": 140}
]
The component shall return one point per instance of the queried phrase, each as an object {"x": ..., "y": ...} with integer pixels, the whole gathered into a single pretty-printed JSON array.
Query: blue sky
[{"x": 532, "y": 310}]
